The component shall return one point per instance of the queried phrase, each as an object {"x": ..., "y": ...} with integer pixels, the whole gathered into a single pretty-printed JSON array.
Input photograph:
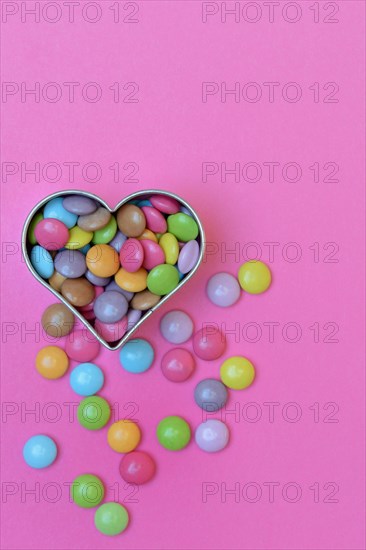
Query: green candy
[
  {"x": 106, "y": 234},
  {"x": 31, "y": 236},
  {"x": 87, "y": 491},
  {"x": 173, "y": 433},
  {"x": 111, "y": 518},
  {"x": 93, "y": 412},
  {"x": 182, "y": 226},
  {"x": 162, "y": 279}
]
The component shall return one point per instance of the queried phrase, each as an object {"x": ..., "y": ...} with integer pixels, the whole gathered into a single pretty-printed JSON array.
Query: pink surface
[{"x": 161, "y": 132}]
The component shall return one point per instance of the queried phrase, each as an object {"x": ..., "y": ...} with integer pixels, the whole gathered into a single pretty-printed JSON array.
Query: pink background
[{"x": 169, "y": 133}]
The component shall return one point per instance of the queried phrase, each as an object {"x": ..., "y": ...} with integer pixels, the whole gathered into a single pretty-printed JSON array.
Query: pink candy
[
  {"x": 153, "y": 254},
  {"x": 82, "y": 346},
  {"x": 131, "y": 255},
  {"x": 168, "y": 205},
  {"x": 155, "y": 221},
  {"x": 51, "y": 234},
  {"x": 111, "y": 331}
]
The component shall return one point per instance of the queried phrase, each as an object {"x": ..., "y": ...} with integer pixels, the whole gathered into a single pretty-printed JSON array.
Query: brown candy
[
  {"x": 96, "y": 220},
  {"x": 144, "y": 300},
  {"x": 56, "y": 280},
  {"x": 131, "y": 220},
  {"x": 79, "y": 292},
  {"x": 57, "y": 320}
]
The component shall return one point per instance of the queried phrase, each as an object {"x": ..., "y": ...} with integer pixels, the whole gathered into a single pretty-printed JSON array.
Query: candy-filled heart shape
[{"x": 113, "y": 267}]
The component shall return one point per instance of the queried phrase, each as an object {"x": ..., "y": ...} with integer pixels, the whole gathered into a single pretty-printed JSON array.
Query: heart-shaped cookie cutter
[{"x": 133, "y": 196}]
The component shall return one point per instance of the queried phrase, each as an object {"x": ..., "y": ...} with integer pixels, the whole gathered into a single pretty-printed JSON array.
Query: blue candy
[
  {"x": 136, "y": 356},
  {"x": 42, "y": 261},
  {"x": 55, "y": 209},
  {"x": 39, "y": 451},
  {"x": 85, "y": 248},
  {"x": 86, "y": 379},
  {"x": 142, "y": 203}
]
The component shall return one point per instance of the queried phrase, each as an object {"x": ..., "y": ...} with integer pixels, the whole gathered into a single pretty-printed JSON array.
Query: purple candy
[
  {"x": 79, "y": 204},
  {"x": 110, "y": 307},
  {"x": 95, "y": 280},
  {"x": 188, "y": 256},
  {"x": 133, "y": 317},
  {"x": 118, "y": 241},
  {"x": 176, "y": 327},
  {"x": 186, "y": 211},
  {"x": 212, "y": 436},
  {"x": 113, "y": 286},
  {"x": 223, "y": 289},
  {"x": 210, "y": 394},
  {"x": 70, "y": 263}
]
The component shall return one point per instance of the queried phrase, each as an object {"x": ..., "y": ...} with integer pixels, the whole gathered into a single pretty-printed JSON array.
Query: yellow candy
[
  {"x": 237, "y": 373},
  {"x": 148, "y": 234},
  {"x": 254, "y": 277},
  {"x": 124, "y": 436},
  {"x": 52, "y": 362},
  {"x": 133, "y": 282},
  {"x": 78, "y": 238},
  {"x": 170, "y": 246}
]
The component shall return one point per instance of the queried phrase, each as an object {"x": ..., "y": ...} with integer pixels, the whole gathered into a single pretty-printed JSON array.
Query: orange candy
[
  {"x": 102, "y": 260},
  {"x": 133, "y": 282},
  {"x": 52, "y": 362},
  {"x": 124, "y": 436},
  {"x": 148, "y": 234}
]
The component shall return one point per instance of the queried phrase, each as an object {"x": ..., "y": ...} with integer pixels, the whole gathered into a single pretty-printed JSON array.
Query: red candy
[
  {"x": 209, "y": 343},
  {"x": 137, "y": 467},
  {"x": 82, "y": 346},
  {"x": 51, "y": 234},
  {"x": 131, "y": 255}
]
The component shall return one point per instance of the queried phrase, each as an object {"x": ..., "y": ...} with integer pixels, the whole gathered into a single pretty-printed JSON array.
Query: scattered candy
[
  {"x": 111, "y": 518},
  {"x": 142, "y": 251},
  {"x": 52, "y": 362},
  {"x": 177, "y": 365},
  {"x": 254, "y": 277},
  {"x": 223, "y": 289},
  {"x": 93, "y": 412},
  {"x": 137, "y": 467},
  {"x": 136, "y": 356},
  {"x": 86, "y": 379},
  {"x": 210, "y": 394},
  {"x": 212, "y": 436},
  {"x": 82, "y": 346},
  {"x": 176, "y": 327},
  {"x": 124, "y": 436},
  {"x": 209, "y": 343},
  {"x": 173, "y": 433},
  {"x": 40, "y": 451},
  {"x": 237, "y": 373},
  {"x": 87, "y": 491},
  {"x": 57, "y": 320}
]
